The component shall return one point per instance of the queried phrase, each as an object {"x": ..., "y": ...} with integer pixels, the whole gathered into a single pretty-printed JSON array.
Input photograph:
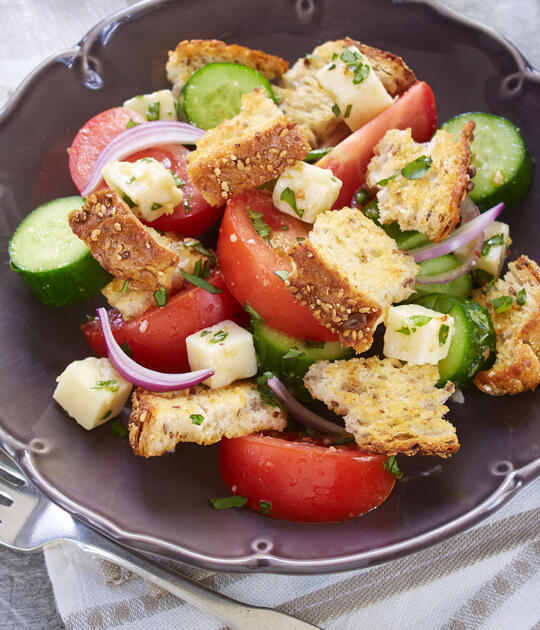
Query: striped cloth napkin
[{"x": 487, "y": 578}]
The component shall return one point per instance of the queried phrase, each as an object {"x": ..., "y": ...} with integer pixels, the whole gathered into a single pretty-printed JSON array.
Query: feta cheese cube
[
  {"x": 91, "y": 391},
  {"x": 492, "y": 261},
  {"x": 417, "y": 334},
  {"x": 155, "y": 106},
  {"x": 227, "y": 349},
  {"x": 305, "y": 190},
  {"x": 146, "y": 185},
  {"x": 357, "y": 91}
]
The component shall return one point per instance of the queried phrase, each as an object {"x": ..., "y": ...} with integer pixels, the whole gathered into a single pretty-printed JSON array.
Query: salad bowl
[{"x": 161, "y": 505}]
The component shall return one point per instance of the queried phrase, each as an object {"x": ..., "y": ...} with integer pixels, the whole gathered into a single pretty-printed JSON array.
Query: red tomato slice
[
  {"x": 248, "y": 264},
  {"x": 93, "y": 137},
  {"x": 349, "y": 159},
  {"x": 160, "y": 344},
  {"x": 303, "y": 481}
]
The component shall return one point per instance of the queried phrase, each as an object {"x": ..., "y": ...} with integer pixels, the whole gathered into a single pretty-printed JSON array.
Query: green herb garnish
[
  {"x": 131, "y": 123},
  {"x": 198, "y": 247},
  {"x": 336, "y": 110},
  {"x": 347, "y": 111},
  {"x": 355, "y": 62},
  {"x": 179, "y": 182},
  {"x": 196, "y": 418},
  {"x": 156, "y": 206},
  {"x": 289, "y": 197},
  {"x": 129, "y": 201},
  {"x": 161, "y": 296},
  {"x": 417, "y": 168},
  {"x": 300, "y": 239},
  {"x": 266, "y": 392},
  {"x": 262, "y": 229},
  {"x": 119, "y": 429},
  {"x": 153, "y": 111},
  {"x": 503, "y": 303},
  {"x": 110, "y": 385},
  {"x": 316, "y": 154},
  {"x": 404, "y": 330},
  {"x": 497, "y": 239},
  {"x": 224, "y": 503},
  {"x": 252, "y": 311},
  {"x": 282, "y": 274},
  {"x": 332, "y": 67},
  {"x": 419, "y": 320},
  {"x": 124, "y": 286},
  {"x": 391, "y": 466},
  {"x": 293, "y": 353},
  {"x": 220, "y": 336},
  {"x": 199, "y": 282},
  {"x": 265, "y": 507},
  {"x": 106, "y": 415},
  {"x": 201, "y": 269},
  {"x": 131, "y": 179},
  {"x": 521, "y": 297},
  {"x": 205, "y": 332},
  {"x": 443, "y": 334}
]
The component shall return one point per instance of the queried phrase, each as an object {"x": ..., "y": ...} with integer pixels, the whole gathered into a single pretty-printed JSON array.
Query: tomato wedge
[
  {"x": 157, "y": 337},
  {"x": 248, "y": 263},
  {"x": 349, "y": 159},
  {"x": 295, "y": 480}
]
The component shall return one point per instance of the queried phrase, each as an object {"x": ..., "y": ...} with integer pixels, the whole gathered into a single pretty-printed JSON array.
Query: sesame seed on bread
[
  {"x": 158, "y": 422},
  {"x": 517, "y": 367},
  {"x": 242, "y": 153},
  {"x": 349, "y": 272},
  {"x": 432, "y": 203},
  {"x": 192, "y": 54},
  {"x": 388, "y": 407}
]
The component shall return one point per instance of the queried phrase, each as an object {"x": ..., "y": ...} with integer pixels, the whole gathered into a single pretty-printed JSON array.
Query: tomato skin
[
  {"x": 349, "y": 159},
  {"x": 304, "y": 482},
  {"x": 162, "y": 345},
  {"x": 248, "y": 264},
  {"x": 93, "y": 137}
]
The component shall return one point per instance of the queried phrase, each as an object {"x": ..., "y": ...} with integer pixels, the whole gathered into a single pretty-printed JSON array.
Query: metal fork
[{"x": 28, "y": 521}]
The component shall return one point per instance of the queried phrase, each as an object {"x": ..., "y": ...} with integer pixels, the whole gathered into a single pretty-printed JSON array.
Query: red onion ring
[
  {"x": 143, "y": 377},
  {"x": 303, "y": 414},
  {"x": 142, "y": 136}
]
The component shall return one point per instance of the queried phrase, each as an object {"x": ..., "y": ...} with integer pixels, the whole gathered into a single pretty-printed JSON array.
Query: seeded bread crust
[
  {"x": 246, "y": 151},
  {"x": 122, "y": 244},
  {"x": 517, "y": 368},
  {"x": 389, "y": 407},
  {"x": 349, "y": 271},
  {"x": 158, "y": 422},
  {"x": 192, "y": 54},
  {"x": 432, "y": 203}
]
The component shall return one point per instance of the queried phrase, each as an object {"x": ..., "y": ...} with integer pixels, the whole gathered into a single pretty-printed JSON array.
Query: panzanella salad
[{"x": 345, "y": 216}]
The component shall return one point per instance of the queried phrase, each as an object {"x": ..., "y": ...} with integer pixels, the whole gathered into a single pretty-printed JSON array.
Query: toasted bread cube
[
  {"x": 305, "y": 190},
  {"x": 159, "y": 422},
  {"x": 359, "y": 95},
  {"x": 246, "y": 151},
  {"x": 349, "y": 271},
  {"x": 91, "y": 391},
  {"x": 227, "y": 349},
  {"x": 431, "y": 203},
  {"x": 145, "y": 185},
  {"x": 417, "y": 334},
  {"x": 158, "y": 105},
  {"x": 517, "y": 367}
]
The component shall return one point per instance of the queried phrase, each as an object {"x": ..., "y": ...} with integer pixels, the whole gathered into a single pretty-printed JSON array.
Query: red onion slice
[
  {"x": 303, "y": 414},
  {"x": 143, "y": 377},
  {"x": 143, "y": 136}
]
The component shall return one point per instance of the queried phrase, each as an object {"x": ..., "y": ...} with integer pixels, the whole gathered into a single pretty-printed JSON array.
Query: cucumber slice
[
  {"x": 214, "y": 93},
  {"x": 289, "y": 358},
  {"x": 54, "y": 263},
  {"x": 504, "y": 167},
  {"x": 460, "y": 287},
  {"x": 473, "y": 345},
  {"x": 408, "y": 239}
]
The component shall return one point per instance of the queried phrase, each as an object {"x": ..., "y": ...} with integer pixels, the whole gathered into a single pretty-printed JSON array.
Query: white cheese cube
[
  {"x": 146, "y": 185},
  {"x": 155, "y": 106},
  {"x": 91, "y": 391},
  {"x": 356, "y": 89},
  {"x": 492, "y": 262},
  {"x": 227, "y": 349},
  {"x": 417, "y": 334},
  {"x": 305, "y": 190}
]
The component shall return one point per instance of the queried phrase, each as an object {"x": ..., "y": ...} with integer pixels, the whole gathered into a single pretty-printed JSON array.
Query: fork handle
[{"x": 235, "y": 614}]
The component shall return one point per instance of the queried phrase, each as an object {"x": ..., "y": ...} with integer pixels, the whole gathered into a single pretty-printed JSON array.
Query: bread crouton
[
  {"x": 122, "y": 244},
  {"x": 132, "y": 302},
  {"x": 349, "y": 271},
  {"x": 250, "y": 149},
  {"x": 432, "y": 203},
  {"x": 305, "y": 101},
  {"x": 158, "y": 422},
  {"x": 388, "y": 407},
  {"x": 517, "y": 367},
  {"x": 192, "y": 54}
]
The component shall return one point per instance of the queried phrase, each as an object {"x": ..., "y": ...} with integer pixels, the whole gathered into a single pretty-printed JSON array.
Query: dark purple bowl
[{"x": 161, "y": 505}]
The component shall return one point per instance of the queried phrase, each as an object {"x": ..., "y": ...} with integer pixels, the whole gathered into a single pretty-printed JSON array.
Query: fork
[{"x": 29, "y": 521}]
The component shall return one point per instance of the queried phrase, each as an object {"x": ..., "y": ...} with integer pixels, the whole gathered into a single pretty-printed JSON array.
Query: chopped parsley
[
  {"x": 129, "y": 201},
  {"x": 224, "y": 503},
  {"x": 199, "y": 282},
  {"x": 266, "y": 392},
  {"x": 336, "y": 110},
  {"x": 404, "y": 331},
  {"x": 124, "y": 286},
  {"x": 316, "y": 154},
  {"x": 161, "y": 296},
  {"x": 503, "y": 303},
  {"x": 119, "y": 429},
  {"x": 156, "y": 206},
  {"x": 196, "y": 418},
  {"x": 127, "y": 349},
  {"x": 355, "y": 62},
  {"x": 391, "y": 466},
  {"x": 106, "y": 415},
  {"x": 252, "y": 311},
  {"x": 110, "y": 385},
  {"x": 262, "y": 229},
  {"x": 497, "y": 239},
  {"x": 131, "y": 123},
  {"x": 332, "y": 67},
  {"x": 205, "y": 332},
  {"x": 282, "y": 274},
  {"x": 300, "y": 239},
  {"x": 334, "y": 56},
  {"x": 347, "y": 111},
  {"x": 487, "y": 288},
  {"x": 131, "y": 179},
  {"x": 521, "y": 297},
  {"x": 410, "y": 324},
  {"x": 147, "y": 159},
  {"x": 417, "y": 168},
  {"x": 220, "y": 336},
  {"x": 293, "y": 353},
  {"x": 198, "y": 247},
  {"x": 153, "y": 111},
  {"x": 177, "y": 180},
  {"x": 443, "y": 334},
  {"x": 284, "y": 228},
  {"x": 265, "y": 507},
  {"x": 289, "y": 197},
  {"x": 187, "y": 205},
  {"x": 201, "y": 269}
]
